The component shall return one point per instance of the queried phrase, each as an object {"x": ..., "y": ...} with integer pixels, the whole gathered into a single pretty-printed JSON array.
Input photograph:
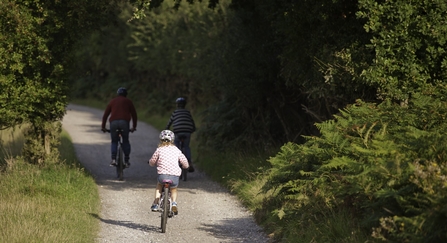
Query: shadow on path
[
  {"x": 127, "y": 224},
  {"x": 222, "y": 229}
]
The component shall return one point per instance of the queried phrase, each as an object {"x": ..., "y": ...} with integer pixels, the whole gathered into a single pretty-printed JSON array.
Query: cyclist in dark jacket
[
  {"x": 121, "y": 110},
  {"x": 183, "y": 126}
]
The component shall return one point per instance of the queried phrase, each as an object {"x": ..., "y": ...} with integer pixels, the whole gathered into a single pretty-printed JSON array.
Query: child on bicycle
[
  {"x": 166, "y": 158},
  {"x": 183, "y": 126}
]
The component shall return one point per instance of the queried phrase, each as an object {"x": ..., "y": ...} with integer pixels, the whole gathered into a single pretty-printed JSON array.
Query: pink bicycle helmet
[{"x": 167, "y": 135}]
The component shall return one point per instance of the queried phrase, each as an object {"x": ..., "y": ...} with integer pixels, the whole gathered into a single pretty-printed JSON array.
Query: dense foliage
[
  {"x": 409, "y": 42},
  {"x": 36, "y": 38},
  {"x": 263, "y": 71},
  {"x": 386, "y": 163}
]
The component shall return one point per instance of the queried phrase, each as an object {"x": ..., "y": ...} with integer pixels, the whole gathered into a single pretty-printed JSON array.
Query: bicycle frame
[
  {"x": 119, "y": 156},
  {"x": 165, "y": 204}
]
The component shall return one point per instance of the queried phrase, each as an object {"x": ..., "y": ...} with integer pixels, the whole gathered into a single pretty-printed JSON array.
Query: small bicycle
[
  {"x": 165, "y": 204},
  {"x": 120, "y": 166}
]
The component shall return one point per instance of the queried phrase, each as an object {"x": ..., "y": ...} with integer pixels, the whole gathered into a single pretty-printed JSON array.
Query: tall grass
[
  {"x": 320, "y": 226},
  {"x": 11, "y": 144},
  {"x": 50, "y": 203}
]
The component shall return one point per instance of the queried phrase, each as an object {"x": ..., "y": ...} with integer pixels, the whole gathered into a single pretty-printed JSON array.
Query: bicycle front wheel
[
  {"x": 120, "y": 163},
  {"x": 165, "y": 213}
]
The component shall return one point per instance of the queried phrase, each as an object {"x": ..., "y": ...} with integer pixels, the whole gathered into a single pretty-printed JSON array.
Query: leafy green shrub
[
  {"x": 377, "y": 161},
  {"x": 41, "y": 142}
]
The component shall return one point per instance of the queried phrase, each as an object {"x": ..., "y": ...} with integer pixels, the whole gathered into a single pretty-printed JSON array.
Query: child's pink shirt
[{"x": 167, "y": 158}]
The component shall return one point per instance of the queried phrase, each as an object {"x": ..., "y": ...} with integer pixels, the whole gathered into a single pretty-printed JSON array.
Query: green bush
[{"x": 382, "y": 162}]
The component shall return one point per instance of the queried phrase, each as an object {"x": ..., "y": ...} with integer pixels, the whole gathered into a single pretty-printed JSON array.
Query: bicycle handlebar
[{"x": 119, "y": 130}]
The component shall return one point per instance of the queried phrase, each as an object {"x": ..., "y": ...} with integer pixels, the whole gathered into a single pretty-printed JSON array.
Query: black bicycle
[
  {"x": 120, "y": 165},
  {"x": 184, "y": 174},
  {"x": 165, "y": 204}
]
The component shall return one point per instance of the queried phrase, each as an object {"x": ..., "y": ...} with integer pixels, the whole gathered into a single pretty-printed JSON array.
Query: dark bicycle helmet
[
  {"x": 122, "y": 91},
  {"x": 167, "y": 135},
  {"x": 181, "y": 101}
]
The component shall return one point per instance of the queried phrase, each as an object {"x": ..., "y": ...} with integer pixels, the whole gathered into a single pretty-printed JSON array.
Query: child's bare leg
[
  {"x": 174, "y": 194},
  {"x": 157, "y": 192}
]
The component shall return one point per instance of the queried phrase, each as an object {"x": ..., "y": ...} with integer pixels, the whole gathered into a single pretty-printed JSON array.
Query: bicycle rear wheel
[
  {"x": 165, "y": 213},
  {"x": 120, "y": 163}
]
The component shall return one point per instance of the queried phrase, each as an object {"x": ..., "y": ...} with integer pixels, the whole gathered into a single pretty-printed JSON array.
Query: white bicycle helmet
[{"x": 167, "y": 135}]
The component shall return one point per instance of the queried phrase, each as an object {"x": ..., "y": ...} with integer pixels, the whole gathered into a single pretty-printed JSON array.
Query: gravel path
[{"x": 207, "y": 212}]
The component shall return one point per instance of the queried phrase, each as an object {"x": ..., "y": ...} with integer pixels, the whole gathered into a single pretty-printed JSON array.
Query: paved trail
[{"x": 207, "y": 212}]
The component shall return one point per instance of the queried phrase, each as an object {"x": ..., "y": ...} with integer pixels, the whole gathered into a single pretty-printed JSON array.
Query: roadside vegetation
[
  {"x": 313, "y": 112},
  {"x": 54, "y": 202}
]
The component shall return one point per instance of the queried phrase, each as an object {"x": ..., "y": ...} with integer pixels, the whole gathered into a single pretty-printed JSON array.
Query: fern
[{"x": 384, "y": 161}]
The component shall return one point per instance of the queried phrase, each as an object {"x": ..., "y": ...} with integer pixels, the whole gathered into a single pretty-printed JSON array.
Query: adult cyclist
[
  {"x": 183, "y": 126},
  {"x": 121, "y": 110}
]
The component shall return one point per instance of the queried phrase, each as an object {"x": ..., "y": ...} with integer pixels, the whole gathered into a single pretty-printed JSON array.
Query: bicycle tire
[
  {"x": 165, "y": 213},
  {"x": 120, "y": 165}
]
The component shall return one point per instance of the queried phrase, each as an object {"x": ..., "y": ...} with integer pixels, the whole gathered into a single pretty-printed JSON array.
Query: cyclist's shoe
[
  {"x": 154, "y": 207},
  {"x": 191, "y": 169},
  {"x": 127, "y": 164},
  {"x": 113, "y": 163},
  {"x": 174, "y": 208}
]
